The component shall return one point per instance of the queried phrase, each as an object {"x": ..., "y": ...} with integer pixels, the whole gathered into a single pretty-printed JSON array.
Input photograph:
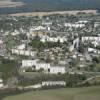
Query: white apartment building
[
  {"x": 1, "y": 83},
  {"x": 46, "y": 23},
  {"x": 37, "y": 65},
  {"x": 74, "y": 25},
  {"x": 16, "y": 32},
  {"x": 90, "y": 38},
  {"x": 21, "y": 47},
  {"x": 37, "y": 28},
  {"x": 93, "y": 50},
  {"x": 23, "y": 52},
  {"x": 45, "y": 66},
  {"x": 1, "y": 42},
  {"x": 82, "y": 21},
  {"x": 29, "y": 63},
  {"x": 53, "y": 83},
  {"x": 57, "y": 69},
  {"x": 53, "y": 39},
  {"x": 71, "y": 48},
  {"x": 46, "y": 84}
]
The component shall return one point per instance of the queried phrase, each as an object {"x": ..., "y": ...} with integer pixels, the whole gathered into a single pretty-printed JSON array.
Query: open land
[
  {"x": 74, "y": 12},
  {"x": 85, "y": 93}
]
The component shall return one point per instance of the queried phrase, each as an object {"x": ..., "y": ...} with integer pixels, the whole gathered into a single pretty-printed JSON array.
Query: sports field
[{"x": 86, "y": 93}]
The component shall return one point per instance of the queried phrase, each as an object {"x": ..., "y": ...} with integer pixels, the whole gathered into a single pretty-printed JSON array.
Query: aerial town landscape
[{"x": 50, "y": 55}]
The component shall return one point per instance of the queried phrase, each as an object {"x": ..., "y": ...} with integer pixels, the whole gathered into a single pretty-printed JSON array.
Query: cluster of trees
[
  {"x": 36, "y": 43},
  {"x": 15, "y": 23},
  {"x": 7, "y": 68},
  {"x": 71, "y": 80}
]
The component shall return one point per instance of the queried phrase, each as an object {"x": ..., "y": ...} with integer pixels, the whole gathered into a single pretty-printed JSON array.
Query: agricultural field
[{"x": 83, "y": 93}]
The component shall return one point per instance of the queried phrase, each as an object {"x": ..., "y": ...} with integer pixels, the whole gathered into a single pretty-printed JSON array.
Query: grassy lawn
[
  {"x": 86, "y": 93},
  {"x": 7, "y": 67},
  {"x": 98, "y": 67}
]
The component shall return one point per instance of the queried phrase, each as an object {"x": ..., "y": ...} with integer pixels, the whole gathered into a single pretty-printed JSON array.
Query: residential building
[
  {"x": 23, "y": 52},
  {"x": 1, "y": 83},
  {"x": 53, "y": 83},
  {"x": 57, "y": 70}
]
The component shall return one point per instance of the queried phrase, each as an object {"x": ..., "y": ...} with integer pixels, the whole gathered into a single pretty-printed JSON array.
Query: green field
[{"x": 89, "y": 93}]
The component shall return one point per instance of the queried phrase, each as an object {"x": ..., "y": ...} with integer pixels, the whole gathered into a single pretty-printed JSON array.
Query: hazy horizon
[{"x": 48, "y": 5}]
